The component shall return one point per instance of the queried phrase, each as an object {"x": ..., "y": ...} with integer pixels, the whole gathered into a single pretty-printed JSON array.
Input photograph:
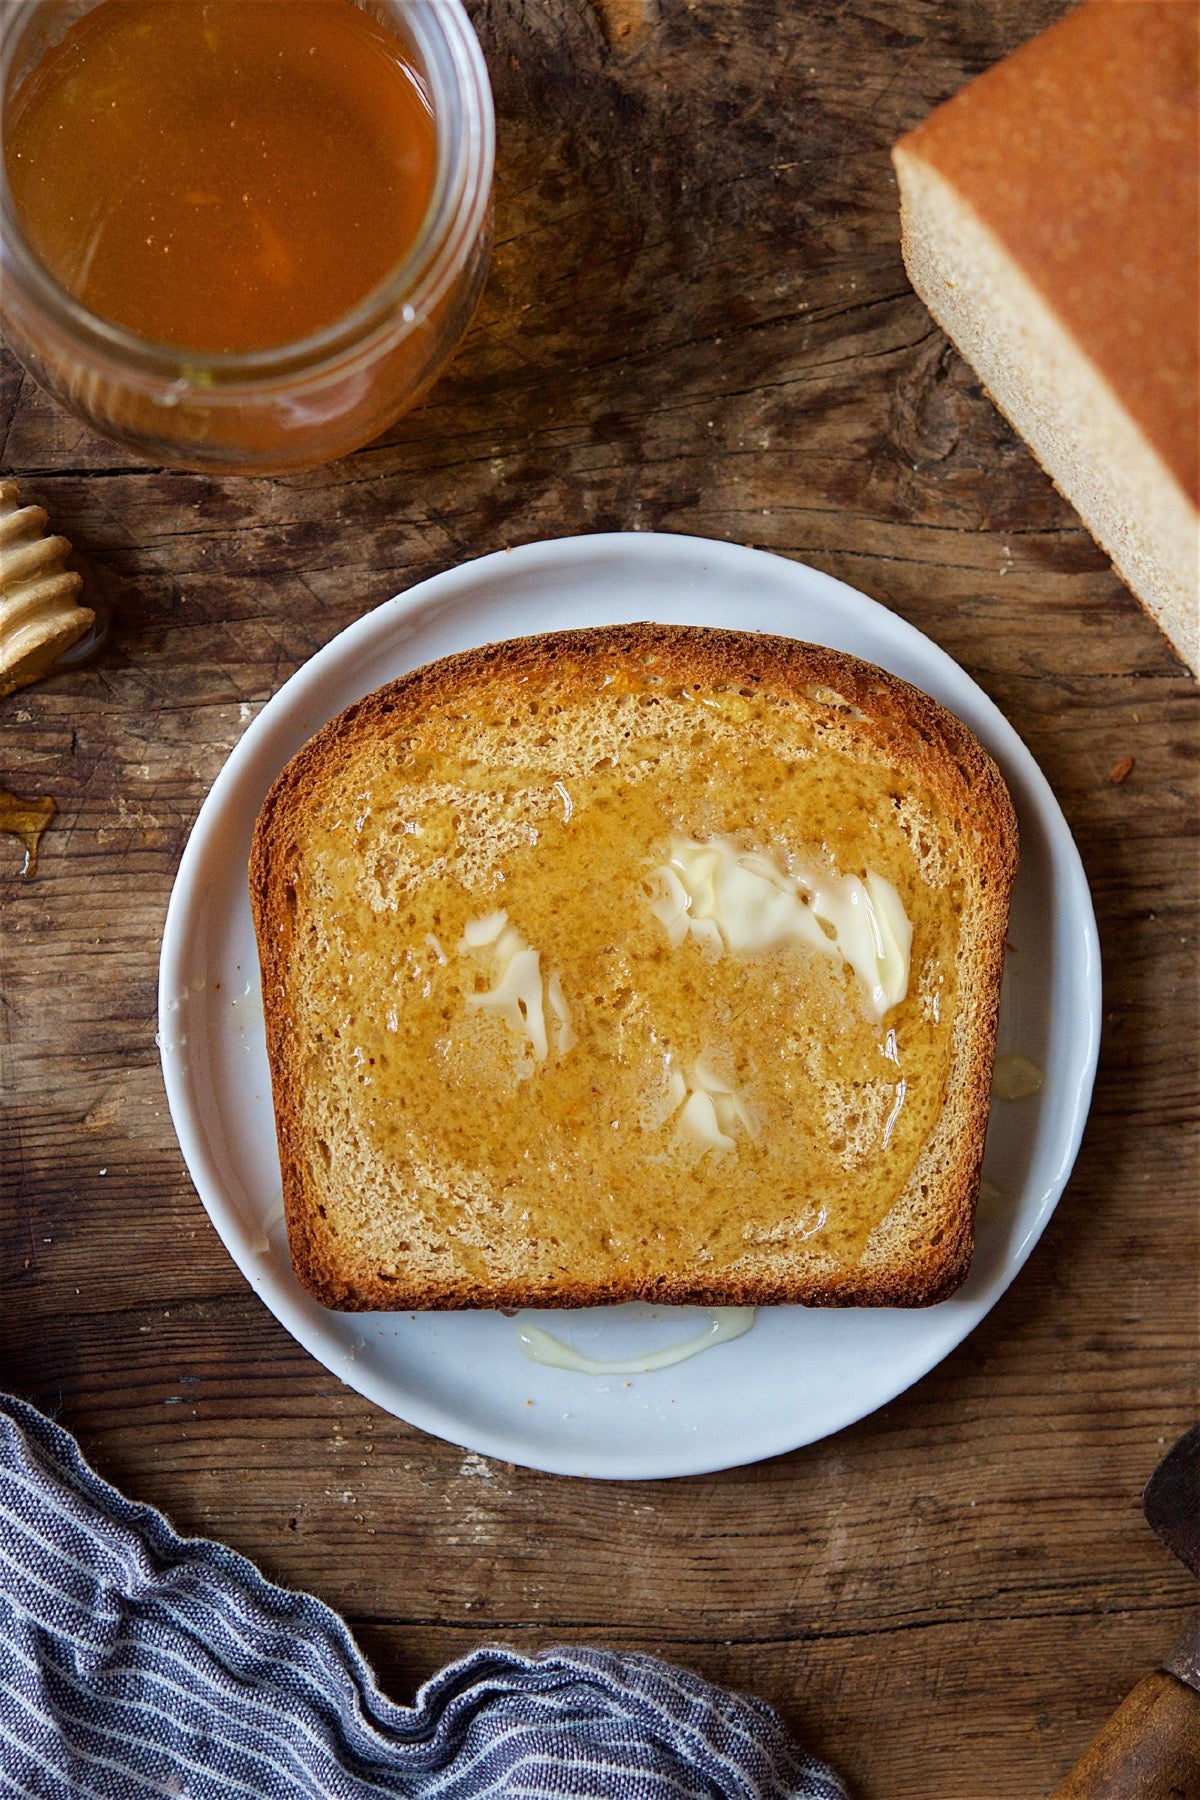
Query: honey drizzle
[
  {"x": 26, "y": 820},
  {"x": 418, "y": 1077}
]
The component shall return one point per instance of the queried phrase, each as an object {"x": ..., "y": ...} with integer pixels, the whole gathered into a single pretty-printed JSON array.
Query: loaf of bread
[
  {"x": 643, "y": 962},
  {"x": 1050, "y": 219}
]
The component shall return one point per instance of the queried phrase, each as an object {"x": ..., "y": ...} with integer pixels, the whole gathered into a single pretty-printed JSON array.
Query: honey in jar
[
  {"x": 222, "y": 175},
  {"x": 243, "y": 235}
]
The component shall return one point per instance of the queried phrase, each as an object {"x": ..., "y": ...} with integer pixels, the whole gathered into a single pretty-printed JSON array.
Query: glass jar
[{"x": 299, "y": 404}]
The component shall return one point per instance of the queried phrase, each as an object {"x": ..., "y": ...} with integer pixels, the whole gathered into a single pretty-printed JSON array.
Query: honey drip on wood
[
  {"x": 223, "y": 177},
  {"x": 27, "y": 820}
]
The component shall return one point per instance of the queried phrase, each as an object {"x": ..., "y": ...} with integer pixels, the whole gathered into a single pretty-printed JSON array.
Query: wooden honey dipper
[{"x": 39, "y": 617}]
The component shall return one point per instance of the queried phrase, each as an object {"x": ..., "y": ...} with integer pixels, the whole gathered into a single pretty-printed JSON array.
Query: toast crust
[{"x": 919, "y": 1251}]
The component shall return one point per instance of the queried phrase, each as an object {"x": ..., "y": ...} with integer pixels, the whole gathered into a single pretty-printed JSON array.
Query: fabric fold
[{"x": 136, "y": 1663}]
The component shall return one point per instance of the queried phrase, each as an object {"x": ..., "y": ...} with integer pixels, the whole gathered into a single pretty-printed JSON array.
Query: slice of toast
[{"x": 647, "y": 962}]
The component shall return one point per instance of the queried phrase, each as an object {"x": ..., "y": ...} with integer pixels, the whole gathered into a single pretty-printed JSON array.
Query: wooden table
[{"x": 697, "y": 321}]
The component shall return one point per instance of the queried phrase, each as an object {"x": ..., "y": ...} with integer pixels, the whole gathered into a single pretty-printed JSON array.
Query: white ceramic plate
[{"x": 800, "y": 1373}]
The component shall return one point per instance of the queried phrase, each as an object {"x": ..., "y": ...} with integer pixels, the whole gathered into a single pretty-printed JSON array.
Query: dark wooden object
[
  {"x": 697, "y": 321},
  {"x": 1148, "y": 1750}
]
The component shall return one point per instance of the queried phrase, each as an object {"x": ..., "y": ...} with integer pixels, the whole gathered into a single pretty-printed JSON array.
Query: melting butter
[
  {"x": 991, "y": 1203},
  {"x": 709, "y": 1109},
  {"x": 274, "y": 1219},
  {"x": 566, "y": 1036},
  {"x": 742, "y": 901},
  {"x": 1016, "y": 1077},
  {"x": 519, "y": 992},
  {"x": 725, "y": 1324}
]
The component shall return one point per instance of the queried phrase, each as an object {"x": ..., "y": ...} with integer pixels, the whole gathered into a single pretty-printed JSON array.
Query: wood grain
[{"x": 697, "y": 320}]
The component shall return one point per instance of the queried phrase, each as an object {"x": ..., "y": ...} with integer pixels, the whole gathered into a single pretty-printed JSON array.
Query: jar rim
[{"x": 464, "y": 118}]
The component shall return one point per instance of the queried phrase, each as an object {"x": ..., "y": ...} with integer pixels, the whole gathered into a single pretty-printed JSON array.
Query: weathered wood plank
[{"x": 697, "y": 320}]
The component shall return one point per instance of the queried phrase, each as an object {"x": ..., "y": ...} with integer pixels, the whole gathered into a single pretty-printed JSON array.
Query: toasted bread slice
[{"x": 587, "y": 978}]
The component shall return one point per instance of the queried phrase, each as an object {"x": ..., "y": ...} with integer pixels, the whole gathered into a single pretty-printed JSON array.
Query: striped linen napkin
[{"x": 136, "y": 1663}]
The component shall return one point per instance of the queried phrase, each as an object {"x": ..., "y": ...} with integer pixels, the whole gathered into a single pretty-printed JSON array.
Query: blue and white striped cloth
[{"x": 135, "y": 1663}]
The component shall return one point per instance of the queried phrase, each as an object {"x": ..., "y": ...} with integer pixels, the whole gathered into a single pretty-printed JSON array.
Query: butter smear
[
  {"x": 729, "y": 899},
  {"x": 519, "y": 993}
]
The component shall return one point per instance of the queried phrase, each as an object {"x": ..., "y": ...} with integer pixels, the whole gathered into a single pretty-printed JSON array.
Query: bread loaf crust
[
  {"x": 1079, "y": 154},
  {"x": 921, "y": 1250},
  {"x": 1050, "y": 221}
]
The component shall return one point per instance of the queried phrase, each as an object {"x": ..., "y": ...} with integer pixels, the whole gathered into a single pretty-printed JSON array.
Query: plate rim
[{"x": 371, "y": 631}]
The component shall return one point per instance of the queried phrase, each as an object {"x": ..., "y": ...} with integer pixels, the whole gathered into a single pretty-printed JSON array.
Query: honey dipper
[{"x": 39, "y": 617}]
